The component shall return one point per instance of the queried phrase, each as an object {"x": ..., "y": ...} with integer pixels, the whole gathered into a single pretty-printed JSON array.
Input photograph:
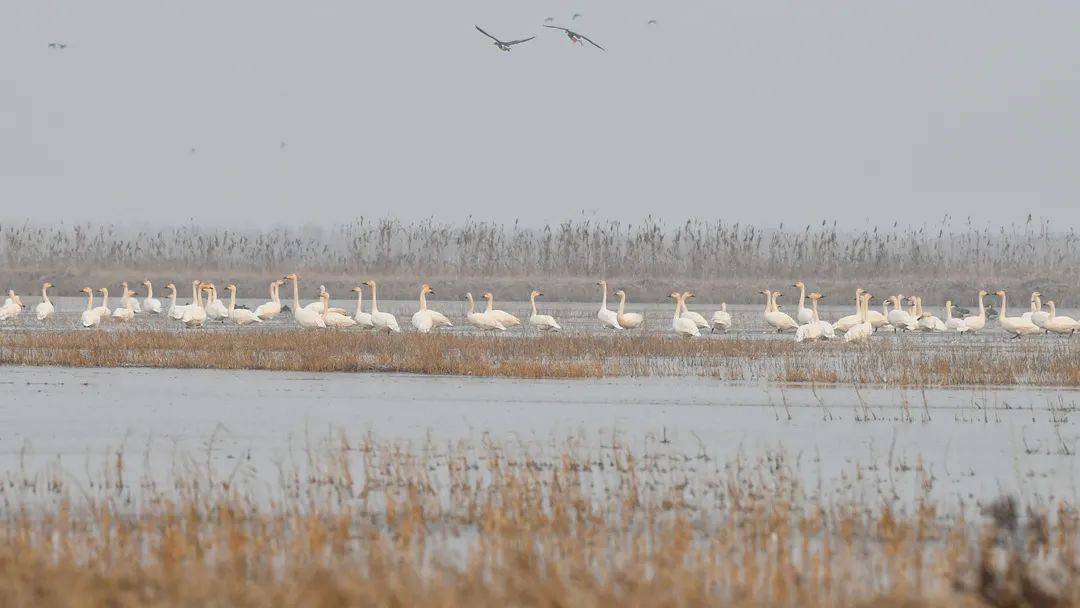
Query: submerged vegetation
[
  {"x": 460, "y": 524},
  {"x": 901, "y": 361},
  {"x": 941, "y": 260}
]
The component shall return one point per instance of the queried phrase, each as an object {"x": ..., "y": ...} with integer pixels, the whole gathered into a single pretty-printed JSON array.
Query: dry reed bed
[
  {"x": 466, "y": 525},
  {"x": 896, "y": 361}
]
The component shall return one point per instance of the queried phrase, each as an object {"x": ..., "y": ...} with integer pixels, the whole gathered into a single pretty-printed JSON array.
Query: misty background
[{"x": 766, "y": 111}]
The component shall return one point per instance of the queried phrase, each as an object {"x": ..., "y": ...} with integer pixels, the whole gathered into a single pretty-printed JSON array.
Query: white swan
[
  {"x": 689, "y": 314},
  {"x": 383, "y": 321},
  {"x": 215, "y": 308},
  {"x": 126, "y": 311},
  {"x": 721, "y": 319},
  {"x": 608, "y": 318},
  {"x": 816, "y": 329},
  {"x": 1062, "y": 324},
  {"x": 304, "y": 317},
  {"x": 12, "y": 307},
  {"x": 195, "y": 314},
  {"x": 150, "y": 303},
  {"x": 1017, "y": 326},
  {"x": 507, "y": 319},
  {"x": 781, "y": 321},
  {"x": 627, "y": 320},
  {"x": 363, "y": 319},
  {"x": 330, "y": 316},
  {"x": 318, "y": 305},
  {"x": 268, "y": 310},
  {"x": 804, "y": 314},
  {"x": 927, "y": 322},
  {"x": 89, "y": 317},
  {"x": 479, "y": 319},
  {"x": 425, "y": 319},
  {"x": 539, "y": 321},
  {"x": 827, "y": 331},
  {"x": 977, "y": 322},
  {"x": 899, "y": 318},
  {"x": 45, "y": 309},
  {"x": 862, "y": 331},
  {"x": 846, "y": 323},
  {"x": 176, "y": 311},
  {"x": 104, "y": 310},
  {"x": 952, "y": 323},
  {"x": 240, "y": 316},
  {"x": 681, "y": 325},
  {"x": 1038, "y": 316}
]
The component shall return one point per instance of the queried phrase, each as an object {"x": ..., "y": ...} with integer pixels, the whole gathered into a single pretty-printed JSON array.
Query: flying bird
[
  {"x": 576, "y": 15},
  {"x": 575, "y": 37},
  {"x": 503, "y": 46},
  {"x": 58, "y": 45},
  {"x": 652, "y": 22},
  {"x": 549, "y": 20}
]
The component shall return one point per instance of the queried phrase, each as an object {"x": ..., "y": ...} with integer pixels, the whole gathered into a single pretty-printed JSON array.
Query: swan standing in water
[
  {"x": 804, "y": 314},
  {"x": 1017, "y": 326},
  {"x": 215, "y": 308},
  {"x": 976, "y": 323},
  {"x": 689, "y": 314},
  {"x": 240, "y": 316},
  {"x": 862, "y": 331},
  {"x": 126, "y": 312},
  {"x": 12, "y": 307},
  {"x": 539, "y": 321},
  {"x": 827, "y": 331},
  {"x": 816, "y": 329},
  {"x": 507, "y": 319},
  {"x": 304, "y": 317},
  {"x": 318, "y": 305},
  {"x": 45, "y": 309},
  {"x": 608, "y": 318},
  {"x": 681, "y": 325},
  {"x": 627, "y": 320},
  {"x": 175, "y": 311},
  {"x": 425, "y": 319},
  {"x": 779, "y": 320},
  {"x": 362, "y": 318},
  {"x": 89, "y": 317},
  {"x": 721, "y": 319},
  {"x": 846, "y": 323},
  {"x": 952, "y": 323},
  {"x": 268, "y": 310},
  {"x": 151, "y": 304},
  {"x": 383, "y": 321},
  {"x": 195, "y": 315},
  {"x": 899, "y": 318},
  {"x": 479, "y": 319},
  {"x": 330, "y": 316},
  {"x": 927, "y": 322},
  {"x": 1038, "y": 316},
  {"x": 1062, "y": 324},
  {"x": 104, "y": 310}
]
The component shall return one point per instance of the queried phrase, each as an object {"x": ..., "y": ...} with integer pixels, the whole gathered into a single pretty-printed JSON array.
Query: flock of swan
[{"x": 807, "y": 324}]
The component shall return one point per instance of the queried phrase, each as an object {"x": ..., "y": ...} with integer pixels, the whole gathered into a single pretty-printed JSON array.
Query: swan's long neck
[
  {"x": 45, "y": 294},
  {"x": 196, "y": 295},
  {"x": 472, "y": 303},
  {"x": 768, "y": 301},
  {"x": 423, "y": 300},
  {"x": 296, "y": 295},
  {"x": 1002, "y": 314},
  {"x": 1053, "y": 309},
  {"x": 678, "y": 308},
  {"x": 532, "y": 300},
  {"x": 491, "y": 302},
  {"x": 149, "y": 291},
  {"x": 374, "y": 298},
  {"x": 603, "y": 298},
  {"x": 948, "y": 311},
  {"x": 723, "y": 306},
  {"x": 90, "y": 300},
  {"x": 982, "y": 308},
  {"x": 274, "y": 293},
  {"x": 1037, "y": 304},
  {"x": 359, "y": 301},
  {"x": 105, "y": 297},
  {"x": 622, "y": 303},
  {"x": 232, "y": 300},
  {"x": 813, "y": 306},
  {"x": 682, "y": 304},
  {"x": 802, "y": 297}
]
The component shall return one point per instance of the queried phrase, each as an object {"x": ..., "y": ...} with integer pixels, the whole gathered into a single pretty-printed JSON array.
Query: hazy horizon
[{"x": 756, "y": 112}]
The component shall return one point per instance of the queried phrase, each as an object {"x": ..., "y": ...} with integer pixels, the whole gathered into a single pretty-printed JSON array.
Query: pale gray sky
[{"x": 747, "y": 110}]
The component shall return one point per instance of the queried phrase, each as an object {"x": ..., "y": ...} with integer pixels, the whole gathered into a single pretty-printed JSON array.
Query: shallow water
[{"x": 974, "y": 443}]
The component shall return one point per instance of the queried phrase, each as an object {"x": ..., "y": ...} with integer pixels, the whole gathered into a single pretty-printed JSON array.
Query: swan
[
  {"x": 862, "y": 331},
  {"x": 952, "y": 323},
  {"x": 827, "y": 331},
  {"x": 609, "y": 319},
  {"x": 269, "y": 310},
  {"x": 1038, "y": 315},
  {"x": 899, "y": 318},
  {"x": 804, "y": 315},
  {"x": 682, "y": 326},
  {"x": 45, "y": 309},
  {"x": 539, "y": 321},
  {"x": 846, "y": 323},
  {"x": 176, "y": 312},
  {"x": 1059, "y": 325},
  {"x": 779, "y": 320},
  {"x": 195, "y": 314},
  {"x": 976, "y": 323},
  {"x": 479, "y": 319},
  {"x": 362, "y": 318},
  {"x": 126, "y": 311},
  {"x": 240, "y": 316},
  {"x": 215, "y": 308},
  {"x": 627, "y": 320},
  {"x": 507, "y": 319},
  {"x": 332, "y": 318},
  {"x": 816, "y": 329},
  {"x": 383, "y": 321},
  {"x": 689, "y": 314},
  {"x": 721, "y": 319},
  {"x": 304, "y": 317},
  {"x": 1017, "y": 326},
  {"x": 425, "y": 319},
  {"x": 12, "y": 306},
  {"x": 89, "y": 317},
  {"x": 927, "y": 322},
  {"x": 103, "y": 310},
  {"x": 318, "y": 305},
  {"x": 150, "y": 303}
]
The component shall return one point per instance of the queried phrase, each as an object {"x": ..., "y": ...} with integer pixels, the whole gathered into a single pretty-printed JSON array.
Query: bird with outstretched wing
[
  {"x": 505, "y": 46},
  {"x": 575, "y": 37}
]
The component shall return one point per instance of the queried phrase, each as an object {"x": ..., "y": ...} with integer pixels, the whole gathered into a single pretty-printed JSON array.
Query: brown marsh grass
[
  {"x": 383, "y": 524},
  {"x": 899, "y": 362}
]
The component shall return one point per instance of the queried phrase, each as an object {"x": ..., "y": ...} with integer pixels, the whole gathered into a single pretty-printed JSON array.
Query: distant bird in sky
[
  {"x": 652, "y": 21},
  {"x": 576, "y": 15},
  {"x": 504, "y": 46},
  {"x": 58, "y": 45},
  {"x": 282, "y": 145},
  {"x": 549, "y": 20},
  {"x": 575, "y": 37},
  {"x": 193, "y": 150}
]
